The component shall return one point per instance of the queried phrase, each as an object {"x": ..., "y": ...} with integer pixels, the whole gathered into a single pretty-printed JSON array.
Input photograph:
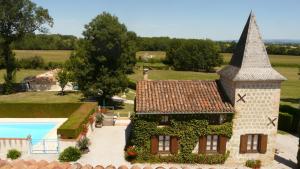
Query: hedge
[
  {"x": 296, "y": 116},
  {"x": 37, "y": 110},
  {"x": 74, "y": 125},
  {"x": 285, "y": 122}
]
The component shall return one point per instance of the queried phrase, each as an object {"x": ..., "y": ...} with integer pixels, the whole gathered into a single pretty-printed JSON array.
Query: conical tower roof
[{"x": 250, "y": 61}]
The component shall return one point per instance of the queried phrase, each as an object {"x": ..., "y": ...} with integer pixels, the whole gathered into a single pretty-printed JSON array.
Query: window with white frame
[
  {"x": 164, "y": 143},
  {"x": 252, "y": 143},
  {"x": 212, "y": 143}
]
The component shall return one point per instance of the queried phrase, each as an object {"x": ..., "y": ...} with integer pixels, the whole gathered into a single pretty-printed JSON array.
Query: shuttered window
[
  {"x": 164, "y": 143},
  {"x": 253, "y": 143},
  {"x": 212, "y": 144}
]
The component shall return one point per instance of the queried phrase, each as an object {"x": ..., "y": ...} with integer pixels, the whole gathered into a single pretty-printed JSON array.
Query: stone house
[{"x": 247, "y": 95}]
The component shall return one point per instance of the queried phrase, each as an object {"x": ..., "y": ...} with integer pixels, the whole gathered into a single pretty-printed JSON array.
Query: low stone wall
[{"x": 21, "y": 144}]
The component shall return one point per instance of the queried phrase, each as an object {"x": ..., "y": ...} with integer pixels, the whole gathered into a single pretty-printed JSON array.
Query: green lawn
[
  {"x": 41, "y": 97},
  {"x": 276, "y": 60},
  {"x": 173, "y": 75},
  {"x": 48, "y": 55},
  {"x": 21, "y": 74}
]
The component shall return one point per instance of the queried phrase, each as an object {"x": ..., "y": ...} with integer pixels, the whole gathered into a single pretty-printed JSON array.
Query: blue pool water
[{"x": 22, "y": 130}]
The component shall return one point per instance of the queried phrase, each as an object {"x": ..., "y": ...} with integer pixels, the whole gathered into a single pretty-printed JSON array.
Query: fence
[{"x": 21, "y": 144}]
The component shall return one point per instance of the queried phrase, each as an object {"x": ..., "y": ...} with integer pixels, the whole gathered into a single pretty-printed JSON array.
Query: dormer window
[{"x": 164, "y": 120}]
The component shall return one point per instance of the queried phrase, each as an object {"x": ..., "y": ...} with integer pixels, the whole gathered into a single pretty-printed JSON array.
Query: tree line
[{"x": 46, "y": 42}]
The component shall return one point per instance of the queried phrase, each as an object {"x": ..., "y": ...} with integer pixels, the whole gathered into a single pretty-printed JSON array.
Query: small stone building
[
  {"x": 246, "y": 95},
  {"x": 45, "y": 82}
]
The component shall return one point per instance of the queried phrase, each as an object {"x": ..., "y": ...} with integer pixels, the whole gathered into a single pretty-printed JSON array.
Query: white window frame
[
  {"x": 252, "y": 142},
  {"x": 164, "y": 143},
  {"x": 212, "y": 142}
]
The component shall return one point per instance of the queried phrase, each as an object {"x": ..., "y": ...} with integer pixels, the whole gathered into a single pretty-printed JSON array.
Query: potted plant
[
  {"x": 83, "y": 144},
  {"x": 255, "y": 164},
  {"x": 99, "y": 120},
  {"x": 85, "y": 129},
  {"x": 131, "y": 153}
]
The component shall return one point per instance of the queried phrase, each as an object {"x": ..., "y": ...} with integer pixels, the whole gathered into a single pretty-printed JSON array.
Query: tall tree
[
  {"x": 103, "y": 57},
  {"x": 17, "y": 18}
]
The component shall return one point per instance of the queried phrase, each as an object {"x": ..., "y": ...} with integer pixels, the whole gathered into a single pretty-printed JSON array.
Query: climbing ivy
[{"x": 188, "y": 128}]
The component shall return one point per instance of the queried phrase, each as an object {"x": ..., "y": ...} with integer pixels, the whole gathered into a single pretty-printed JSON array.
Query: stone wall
[{"x": 261, "y": 102}]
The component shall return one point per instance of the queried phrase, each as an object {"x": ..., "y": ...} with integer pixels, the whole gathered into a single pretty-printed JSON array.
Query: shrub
[
  {"x": 296, "y": 116},
  {"x": 13, "y": 154},
  {"x": 99, "y": 118},
  {"x": 83, "y": 144},
  {"x": 253, "y": 163},
  {"x": 70, "y": 154},
  {"x": 36, "y": 62},
  {"x": 53, "y": 65},
  {"x": 285, "y": 122}
]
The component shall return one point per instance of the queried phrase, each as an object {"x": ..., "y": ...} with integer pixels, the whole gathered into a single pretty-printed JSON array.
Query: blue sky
[{"x": 214, "y": 19}]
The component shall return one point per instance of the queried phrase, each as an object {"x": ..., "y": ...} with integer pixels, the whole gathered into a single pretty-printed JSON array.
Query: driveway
[{"x": 107, "y": 147}]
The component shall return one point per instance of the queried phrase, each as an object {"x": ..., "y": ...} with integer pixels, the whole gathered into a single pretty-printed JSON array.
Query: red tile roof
[{"x": 186, "y": 96}]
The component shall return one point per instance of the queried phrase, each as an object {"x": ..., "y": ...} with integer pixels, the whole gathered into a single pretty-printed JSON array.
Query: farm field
[
  {"x": 154, "y": 54},
  {"x": 48, "y": 55},
  {"x": 276, "y": 60},
  {"x": 21, "y": 74}
]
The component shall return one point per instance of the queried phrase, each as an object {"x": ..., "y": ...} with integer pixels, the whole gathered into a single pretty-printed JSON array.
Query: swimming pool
[{"x": 22, "y": 130}]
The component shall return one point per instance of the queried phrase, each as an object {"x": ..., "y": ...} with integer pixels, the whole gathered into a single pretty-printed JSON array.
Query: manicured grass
[
  {"x": 74, "y": 125},
  {"x": 21, "y": 74},
  {"x": 37, "y": 110},
  {"x": 276, "y": 60},
  {"x": 41, "y": 97},
  {"x": 48, "y": 55},
  {"x": 154, "y": 54},
  {"x": 173, "y": 75}
]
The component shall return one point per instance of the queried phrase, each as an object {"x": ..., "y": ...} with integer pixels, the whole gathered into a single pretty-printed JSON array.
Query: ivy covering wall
[{"x": 187, "y": 128}]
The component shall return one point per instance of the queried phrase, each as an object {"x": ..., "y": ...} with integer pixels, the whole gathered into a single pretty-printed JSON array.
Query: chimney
[{"x": 145, "y": 73}]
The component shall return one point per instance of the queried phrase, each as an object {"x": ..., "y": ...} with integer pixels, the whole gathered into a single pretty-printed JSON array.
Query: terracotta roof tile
[{"x": 186, "y": 96}]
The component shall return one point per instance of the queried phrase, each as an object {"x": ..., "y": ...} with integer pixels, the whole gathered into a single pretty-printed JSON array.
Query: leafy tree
[
  {"x": 103, "y": 57},
  {"x": 17, "y": 18},
  {"x": 195, "y": 55},
  {"x": 63, "y": 79}
]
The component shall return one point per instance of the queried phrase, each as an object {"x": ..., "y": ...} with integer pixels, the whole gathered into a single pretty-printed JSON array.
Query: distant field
[
  {"x": 20, "y": 75},
  {"x": 154, "y": 54},
  {"x": 276, "y": 60},
  {"x": 48, "y": 55}
]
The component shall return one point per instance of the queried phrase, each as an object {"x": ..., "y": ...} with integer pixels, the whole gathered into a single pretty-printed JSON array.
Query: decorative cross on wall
[
  {"x": 272, "y": 121},
  {"x": 241, "y": 98}
]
